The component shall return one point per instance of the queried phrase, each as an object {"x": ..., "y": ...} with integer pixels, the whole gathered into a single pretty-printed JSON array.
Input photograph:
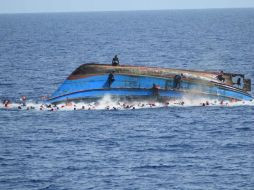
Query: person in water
[
  {"x": 6, "y": 103},
  {"x": 23, "y": 100},
  {"x": 115, "y": 61}
]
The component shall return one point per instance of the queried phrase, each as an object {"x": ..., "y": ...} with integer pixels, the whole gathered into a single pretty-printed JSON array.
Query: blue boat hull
[{"x": 129, "y": 86}]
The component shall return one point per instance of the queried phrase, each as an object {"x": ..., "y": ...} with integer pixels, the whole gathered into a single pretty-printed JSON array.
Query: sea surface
[{"x": 173, "y": 147}]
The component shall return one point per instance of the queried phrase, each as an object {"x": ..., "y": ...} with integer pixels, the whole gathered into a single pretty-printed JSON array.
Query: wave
[{"x": 108, "y": 103}]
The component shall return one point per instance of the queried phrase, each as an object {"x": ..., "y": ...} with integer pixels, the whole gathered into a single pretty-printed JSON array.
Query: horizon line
[{"x": 131, "y": 10}]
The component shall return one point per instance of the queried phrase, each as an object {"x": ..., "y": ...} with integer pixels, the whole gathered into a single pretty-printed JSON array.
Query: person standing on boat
[{"x": 115, "y": 61}]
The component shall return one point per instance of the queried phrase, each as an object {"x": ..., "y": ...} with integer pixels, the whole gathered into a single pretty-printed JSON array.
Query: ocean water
[{"x": 172, "y": 147}]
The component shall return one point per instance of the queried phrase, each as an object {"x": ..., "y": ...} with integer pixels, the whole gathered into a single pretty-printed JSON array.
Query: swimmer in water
[
  {"x": 23, "y": 100},
  {"x": 6, "y": 103}
]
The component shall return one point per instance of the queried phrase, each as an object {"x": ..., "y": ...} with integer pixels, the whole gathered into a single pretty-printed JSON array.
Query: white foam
[{"x": 107, "y": 103}]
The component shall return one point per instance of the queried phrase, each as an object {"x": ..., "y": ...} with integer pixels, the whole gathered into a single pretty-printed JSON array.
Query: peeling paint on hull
[{"x": 91, "y": 81}]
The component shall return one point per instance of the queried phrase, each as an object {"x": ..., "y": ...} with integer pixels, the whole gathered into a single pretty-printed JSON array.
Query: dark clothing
[
  {"x": 115, "y": 61},
  {"x": 111, "y": 79},
  {"x": 221, "y": 78},
  {"x": 177, "y": 81},
  {"x": 155, "y": 90},
  {"x": 238, "y": 82}
]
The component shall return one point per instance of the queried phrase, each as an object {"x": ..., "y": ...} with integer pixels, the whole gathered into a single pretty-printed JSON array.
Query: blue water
[{"x": 162, "y": 148}]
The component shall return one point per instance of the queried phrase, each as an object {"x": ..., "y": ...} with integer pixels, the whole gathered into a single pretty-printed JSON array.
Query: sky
[{"x": 33, "y": 6}]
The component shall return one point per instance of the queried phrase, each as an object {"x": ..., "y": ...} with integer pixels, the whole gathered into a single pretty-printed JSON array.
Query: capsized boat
[{"x": 94, "y": 81}]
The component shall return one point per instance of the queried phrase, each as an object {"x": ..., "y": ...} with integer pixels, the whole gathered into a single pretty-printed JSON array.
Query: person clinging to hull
[
  {"x": 220, "y": 77},
  {"x": 177, "y": 81},
  {"x": 115, "y": 61},
  {"x": 156, "y": 91},
  {"x": 111, "y": 79}
]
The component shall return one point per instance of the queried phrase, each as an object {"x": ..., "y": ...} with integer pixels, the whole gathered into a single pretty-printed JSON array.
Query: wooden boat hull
[{"x": 91, "y": 81}]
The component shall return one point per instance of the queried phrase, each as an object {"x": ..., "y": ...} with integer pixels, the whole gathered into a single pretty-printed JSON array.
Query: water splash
[{"x": 108, "y": 103}]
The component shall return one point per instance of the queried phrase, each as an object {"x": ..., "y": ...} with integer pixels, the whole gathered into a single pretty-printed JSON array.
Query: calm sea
[{"x": 162, "y": 148}]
